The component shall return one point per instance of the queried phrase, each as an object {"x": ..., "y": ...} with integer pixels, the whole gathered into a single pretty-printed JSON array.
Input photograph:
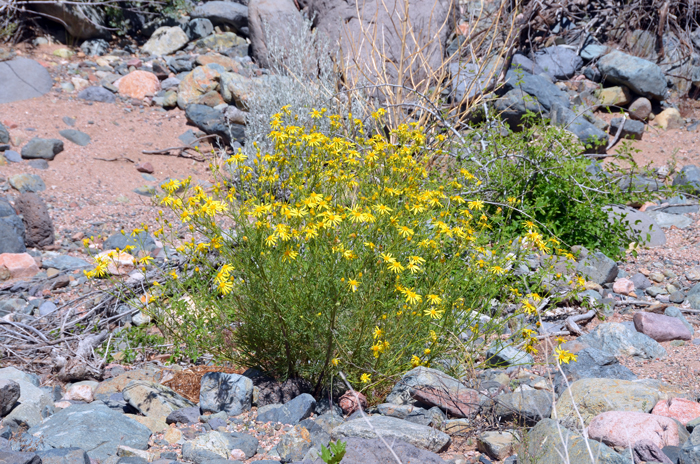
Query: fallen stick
[{"x": 571, "y": 321}]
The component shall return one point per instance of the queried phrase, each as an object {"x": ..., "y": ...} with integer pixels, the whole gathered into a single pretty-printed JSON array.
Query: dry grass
[{"x": 187, "y": 381}]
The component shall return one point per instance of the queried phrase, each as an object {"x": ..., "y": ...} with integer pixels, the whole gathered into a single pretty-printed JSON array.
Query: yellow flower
[
  {"x": 289, "y": 255},
  {"x": 415, "y": 361},
  {"x": 426, "y": 351},
  {"x": 377, "y": 348},
  {"x": 395, "y": 266},
  {"x": 405, "y": 232},
  {"x": 434, "y": 299},
  {"x": 225, "y": 287},
  {"x": 497, "y": 270},
  {"x": 411, "y": 296},
  {"x": 434, "y": 313},
  {"x": 271, "y": 240},
  {"x": 366, "y": 378},
  {"x": 378, "y": 332},
  {"x": 353, "y": 284},
  {"x": 382, "y": 209},
  {"x": 476, "y": 205},
  {"x": 529, "y": 307},
  {"x": 564, "y": 356}
]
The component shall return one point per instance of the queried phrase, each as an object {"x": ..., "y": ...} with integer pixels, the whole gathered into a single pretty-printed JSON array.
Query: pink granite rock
[
  {"x": 678, "y": 408},
  {"x": 623, "y": 286},
  {"x": 661, "y": 328},
  {"x": 625, "y": 428}
]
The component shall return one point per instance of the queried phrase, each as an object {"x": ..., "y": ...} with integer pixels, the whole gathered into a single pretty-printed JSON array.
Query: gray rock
[
  {"x": 644, "y": 229},
  {"x": 593, "y": 138},
  {"x": 422, "y": 378},
  {"x": 212, "y": 121},
  {"x": 593, "y": 50},
  {"x": 12, "y": 305},
  {"x": 198, "y": 28},
  {"x": 9, "y": 457},
  {"x": 23, "y": 79},
  {"x": 141, "y": 242},
  {"x": 206, "y": 447},
  {"x": 546, "y": 93},
  {"x": 94, "y": 427},
  {"x": 693, "y": 297},
  {"x": 9, "y": 395},
  {"x": 42, "y": 148},
  {"x": 630, "y": 130},
  {"x": 188, "y": 415},
  {"x": 598, "y": 268},
  {"x": 12, "y": 156},
  {"x": 244, "y": 442},
  {"x": 559, "y": 62},
  {"x": 591, "y": 363},
  {"x": 4, "y": 134},
  {"x": 291, "y": 412},
  {"x": 282, "y": 15},
  {"x": 390, "y": 429},
  {"x": 667, "y": 220},
  {"x": 523, "y": 63},
  {"x": 95, "y": 47},
  {"x": 10, "y": 240},
  {"x": 34, "y": 405},
  {"x": 499, "y": 355},
  {"x": 641, "y": 76},
  {"x": 681, "y": 200},
  {"x": 231, "y": 393},
  {"x": 65, "y": 263},
  {"x": 39, "y": 164},
  {"x": 640, "y": 109},
  {"x": 170, "y": 83},
  {"x": 302, "y": 441},
  {"x": 373, "y": 451},
  {"x": 80, "y": 21},
  {"x": 39, "y": 231},
  {"x": 165, "y": 40},
  {"x": 549, "y": 441},
  {"x": 64, "y": 456},
  {"x": 688, "y": 179},
  {"x": 470, "y": 79},
  {"x": 97, "y": 94},
  {"x": 153, "y": 400},
  {"x": 27, "y": 183},
  {"x": 514, "y": 105},
  {"x": 224, "y": 13},
  {"x": 528, "y": 407},
  {"x": 75, "y": 136},
  {"x": 619, "y": 340}
]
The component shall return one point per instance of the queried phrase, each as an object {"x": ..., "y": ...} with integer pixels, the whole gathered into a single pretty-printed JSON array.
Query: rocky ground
[{"x": 87, "y": 136}]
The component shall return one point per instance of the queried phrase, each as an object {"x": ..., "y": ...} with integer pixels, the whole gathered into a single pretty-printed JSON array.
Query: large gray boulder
[
  {"x": 80, "y": 21},
  {"x": 64, "y": 456},
  {"x": 165, "y": 40},
  {"x": 619, "y": 340},
  {"x": 23, "y": 79},
  {"x": 224, "y": 13},
  {"x": 373, "y": 451},
  {"x": 33, "y": 404},
  {"x": 213, "y": 121},
  {"x": 642, "y": 226},
  {"x": 38, "y": 148},
  {"x": 514, "y": 105},
  {"x": 377, "y": 22},
  {"x": 391, "y": 428},
  {"x": 219, "y": 391},
  {"x": 693, "y": 297},
  {"x": 290, "y": 413},
  {"x": 280, "y": 15},
  {"x": 598, "y": 268},
  {"x": 559, "y": 62},
  {"x": 11, "y": 229},
  {"x": 546, "y": 93},
  {"x": 154, "y": 400},
  {"x": 688, "y": 179},
  {"x": 593, "y": 138},
  {"x": 641, "y": 76},
  {"x": 591, "y": 363},
  {"x": 528, "y": 407},
  {"x": 93, "y": 427}
]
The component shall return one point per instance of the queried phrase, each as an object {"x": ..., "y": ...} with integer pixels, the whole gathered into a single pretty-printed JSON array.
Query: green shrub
[
  {"x": 347, "y": 251},
  {"x": 541, "y": 173}
]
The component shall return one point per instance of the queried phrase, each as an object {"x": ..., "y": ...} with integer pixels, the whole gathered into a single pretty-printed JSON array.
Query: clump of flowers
[{"x": 340, "y": 251}]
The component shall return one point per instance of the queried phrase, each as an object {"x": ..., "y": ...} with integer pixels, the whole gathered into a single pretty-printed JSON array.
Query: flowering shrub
[{"x": 342, "y": 251}]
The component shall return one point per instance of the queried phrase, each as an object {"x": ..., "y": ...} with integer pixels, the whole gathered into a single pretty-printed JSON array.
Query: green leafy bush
[
  {"x": 344, "y": 251},
  {"x": 541, "y": 174}
]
